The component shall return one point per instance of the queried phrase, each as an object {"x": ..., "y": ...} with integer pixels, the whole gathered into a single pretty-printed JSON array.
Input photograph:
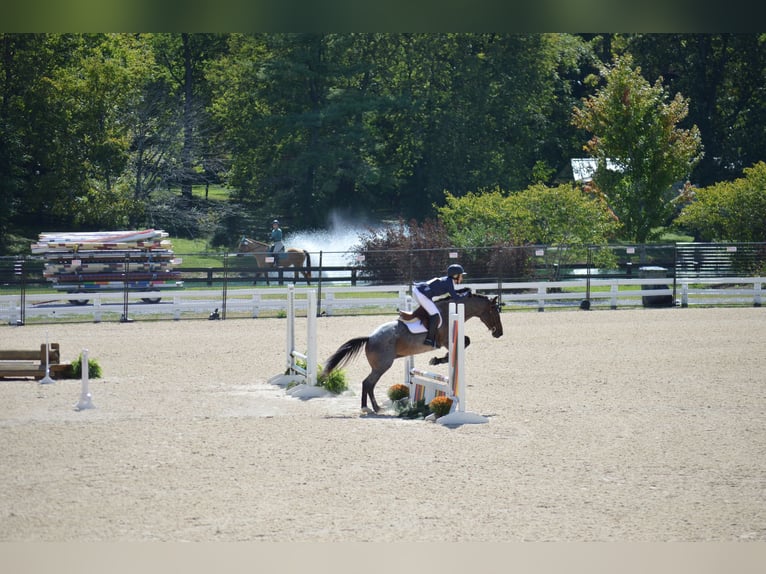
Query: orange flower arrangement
[
  {"x": 440, "y": 406},
  {"x": 398, "y": 392}
]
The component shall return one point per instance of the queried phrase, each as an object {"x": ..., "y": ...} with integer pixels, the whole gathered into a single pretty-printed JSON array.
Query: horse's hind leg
[{"x": 368, "y": 388}]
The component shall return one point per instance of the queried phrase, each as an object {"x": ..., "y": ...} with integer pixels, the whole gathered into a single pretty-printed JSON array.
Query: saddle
[{"x": 418, "y": 314}]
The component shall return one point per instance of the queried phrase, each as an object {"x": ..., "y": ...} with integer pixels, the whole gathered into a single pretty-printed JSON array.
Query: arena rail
[{"x": 255, "y": 302}]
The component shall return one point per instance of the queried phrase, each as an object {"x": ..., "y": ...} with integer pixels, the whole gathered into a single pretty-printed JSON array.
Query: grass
[
  {"x": 214, "y": 192},
  {"x": 195, "y": 253}
]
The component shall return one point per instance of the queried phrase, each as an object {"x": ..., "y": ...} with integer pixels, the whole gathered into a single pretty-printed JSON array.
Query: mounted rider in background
[
  {"x": 426, "y": 291},
  {"x": 276, "y": 240}
]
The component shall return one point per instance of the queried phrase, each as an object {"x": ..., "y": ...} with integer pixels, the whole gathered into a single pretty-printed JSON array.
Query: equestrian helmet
[
  {"x": 455, "y": 269},
  {"x": 276, "y": 221}
]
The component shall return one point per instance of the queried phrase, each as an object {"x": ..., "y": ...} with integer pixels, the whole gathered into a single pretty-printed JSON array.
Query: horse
[
  {"x": 394, "y": 340},
  {"x": 291, "y": 257}
]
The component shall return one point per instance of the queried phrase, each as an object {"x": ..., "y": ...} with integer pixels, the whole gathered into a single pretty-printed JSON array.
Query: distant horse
[
  {"x": 394, "y": 339},
  {"x": 291, "y": 257}
]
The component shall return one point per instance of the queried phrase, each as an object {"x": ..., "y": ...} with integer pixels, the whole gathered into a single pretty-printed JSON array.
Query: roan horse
[
  {"x": 291, "y": 257},
  {"x": 394, "y": 340}
]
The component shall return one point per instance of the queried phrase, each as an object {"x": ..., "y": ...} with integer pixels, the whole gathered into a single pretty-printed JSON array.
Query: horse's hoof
[{"x": 433, "y": 361}]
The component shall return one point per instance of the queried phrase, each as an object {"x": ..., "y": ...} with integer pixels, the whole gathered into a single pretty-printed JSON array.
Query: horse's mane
[
  {"x": 471, "y": 294},
  {"x": 250, "y": 240},
  {"x": 443, "y": 304}
]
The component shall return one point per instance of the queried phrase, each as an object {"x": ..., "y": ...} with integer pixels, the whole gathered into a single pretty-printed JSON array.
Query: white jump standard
[
  {"x": 306, "y": 377},
  {"x": 425, "y": 385},
  {"x": 85, "y": 401}
]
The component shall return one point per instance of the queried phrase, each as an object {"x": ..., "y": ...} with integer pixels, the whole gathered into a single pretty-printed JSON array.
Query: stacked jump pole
[
  {"x": 295, "y": 372},
  {"x": 425, "y": 385}
]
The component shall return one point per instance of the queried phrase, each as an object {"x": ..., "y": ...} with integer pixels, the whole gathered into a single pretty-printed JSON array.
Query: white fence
[
  {"x": 621, "y": 293},
  {"x": 255, "y": 302}
]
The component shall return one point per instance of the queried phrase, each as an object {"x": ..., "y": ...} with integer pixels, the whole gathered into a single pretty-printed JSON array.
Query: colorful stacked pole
[{"x": 89, "y": 262}]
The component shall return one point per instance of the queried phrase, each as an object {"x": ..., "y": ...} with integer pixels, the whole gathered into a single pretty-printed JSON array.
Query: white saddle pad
[{"x": 416, "y": 325}]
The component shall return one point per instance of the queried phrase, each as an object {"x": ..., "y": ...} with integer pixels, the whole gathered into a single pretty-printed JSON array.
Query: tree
[
  {"x": 722, "y": 75},
  {"x": 635, "y": 126},
  {"x": 563, "y": 217},
  {"x": 39, "y": 162},
  {"x": 729, "y": 211},
  {"x": 386, "y": 122},
  {"x": 186, "y": 58},
  {"x": 560, "y": 216}
]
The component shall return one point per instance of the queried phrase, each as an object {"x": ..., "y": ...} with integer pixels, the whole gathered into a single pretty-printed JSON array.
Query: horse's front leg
[
  {"x": 445, "y": 358},
  {"x": 439, "y": 360}
]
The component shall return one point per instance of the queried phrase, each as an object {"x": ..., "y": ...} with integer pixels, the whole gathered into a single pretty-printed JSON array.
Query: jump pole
[{"x": 453, "y": 385}]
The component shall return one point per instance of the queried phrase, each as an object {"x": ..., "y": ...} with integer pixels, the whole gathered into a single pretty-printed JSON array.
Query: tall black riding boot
[{"x": 433, "y": 325}]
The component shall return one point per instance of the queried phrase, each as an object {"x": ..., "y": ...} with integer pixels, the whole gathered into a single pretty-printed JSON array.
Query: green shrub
[
  {"x": 335, "y": 382},
  {"x": 94, "y": 369},
  {"x": 408, "y": 410}
]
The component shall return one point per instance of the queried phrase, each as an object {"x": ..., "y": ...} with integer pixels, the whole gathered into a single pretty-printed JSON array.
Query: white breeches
[{"x": 426, "y": 303}]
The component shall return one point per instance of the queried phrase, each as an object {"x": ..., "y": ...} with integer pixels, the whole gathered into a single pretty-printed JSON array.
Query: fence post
[
  {"x": 256, "y": 305},
  {"x": 757, "y": 294},
  {"x": 329, "y": 300}
]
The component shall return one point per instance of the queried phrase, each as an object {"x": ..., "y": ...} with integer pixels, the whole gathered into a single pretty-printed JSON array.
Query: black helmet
[{"x": 455, "y": 269}]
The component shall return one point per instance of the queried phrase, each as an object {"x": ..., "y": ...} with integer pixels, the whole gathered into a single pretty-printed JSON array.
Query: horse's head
[{"x": 490, "y": 313}]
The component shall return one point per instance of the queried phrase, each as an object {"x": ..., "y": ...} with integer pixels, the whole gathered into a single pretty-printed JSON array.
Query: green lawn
[{"x": 214, "y": 192}]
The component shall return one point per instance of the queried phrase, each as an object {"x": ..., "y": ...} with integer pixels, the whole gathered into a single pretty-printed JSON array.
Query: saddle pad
[{"x": 416, "y": 325}]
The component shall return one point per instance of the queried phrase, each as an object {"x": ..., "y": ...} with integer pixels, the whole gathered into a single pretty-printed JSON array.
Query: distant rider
[
  {"x": 426, "y": 291},
  {"x": 276, "y": 240}
]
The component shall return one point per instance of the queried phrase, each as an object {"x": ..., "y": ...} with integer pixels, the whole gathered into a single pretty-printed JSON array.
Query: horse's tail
[{"x": 345, "y": 353}]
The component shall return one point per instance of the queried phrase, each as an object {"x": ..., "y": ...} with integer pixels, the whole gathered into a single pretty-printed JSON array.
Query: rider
[
  {"x": 276, "y": 240},
  {"x": 426, "y": 291}
]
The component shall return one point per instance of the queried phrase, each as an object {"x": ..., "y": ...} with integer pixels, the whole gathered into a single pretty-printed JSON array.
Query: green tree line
[{"x": 106, "y": 131}]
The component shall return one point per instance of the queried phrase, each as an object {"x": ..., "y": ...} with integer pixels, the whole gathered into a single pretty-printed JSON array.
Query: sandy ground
[{"x": 629, "y": 425}]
